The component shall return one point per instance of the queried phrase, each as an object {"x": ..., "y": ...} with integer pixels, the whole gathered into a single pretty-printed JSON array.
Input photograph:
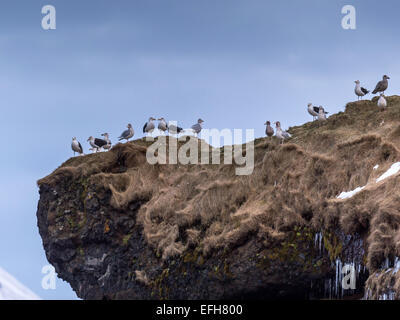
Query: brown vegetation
[{"x": 293, "y": 185}]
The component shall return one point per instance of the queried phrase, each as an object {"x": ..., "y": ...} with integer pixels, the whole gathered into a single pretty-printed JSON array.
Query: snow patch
[
  {"x": 392, "y": 171},
  {"x": 346, "y": 195}
]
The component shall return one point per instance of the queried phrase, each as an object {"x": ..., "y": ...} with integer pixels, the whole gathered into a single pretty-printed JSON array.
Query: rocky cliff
[{"x": 116, "y": 227}]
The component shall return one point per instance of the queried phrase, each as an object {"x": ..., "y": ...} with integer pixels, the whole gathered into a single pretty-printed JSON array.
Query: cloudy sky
[{"x": 234, "y": 63}]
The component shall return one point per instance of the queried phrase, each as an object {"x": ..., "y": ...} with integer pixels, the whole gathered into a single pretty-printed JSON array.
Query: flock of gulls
[
  {"x": 318, "y": 113},
  {"x": 98, "y": 144}
]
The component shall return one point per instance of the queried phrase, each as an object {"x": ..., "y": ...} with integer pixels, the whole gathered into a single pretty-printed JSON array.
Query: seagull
[
  {"x": 313, "y": 110},
  {"x": 127, "y": 134},
  {"x": 360, "y": 91},
  {"x": 321, "y": 114},
  {"x": 282, "y": 135},
  {"x": 269, "y": 131},
  {"x": 382, "y": 85},
  {"x": 96, "y": 143},
  {"x": 149, "y": 126},
  {"x": 162, "y": 125},
  {"x": 76, "y": 146},
  {"x": 197, "y": 127},
  {"x": 173, "y": 128},
  {"x": 107, "y": 139},
  {"x": 382, "y": 104}
]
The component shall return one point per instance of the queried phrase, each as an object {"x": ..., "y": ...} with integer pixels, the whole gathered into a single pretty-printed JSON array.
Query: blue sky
[{"x": 234, "y": 63}]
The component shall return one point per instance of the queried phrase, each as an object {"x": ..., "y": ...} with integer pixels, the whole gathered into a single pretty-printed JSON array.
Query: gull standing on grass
[
  {"x": 312, "y": 110},
  {"x": 382, "y": 85},
  {"x": 322, "y": 114},
  {"x": 280, "y": 134},
  {"x": 96, "y": 143},
  {"x": 197, "y": 127},
  {"x": 162, "y": 125},
  {"x": 149, "y": 126},
  {"x": 269, "y": 131},
  {"x": 76, "y": 146},
  {"x": 360, "y": 91},
  {"x": 173, "y": 128},
  {"x": 107, "y": 139},
  {"x": 127, "y": 134},
  {"x": 382, "y": 103}
]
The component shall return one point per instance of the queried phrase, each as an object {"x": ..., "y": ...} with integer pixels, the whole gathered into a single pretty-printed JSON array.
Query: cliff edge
[{"x": 116, "y": 227}]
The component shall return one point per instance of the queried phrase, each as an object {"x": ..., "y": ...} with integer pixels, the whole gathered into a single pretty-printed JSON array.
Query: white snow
[
  {"x": 12, "y": 289},
  {"x": 346, "y": 195},
  {"x": 393, "y": 170}
]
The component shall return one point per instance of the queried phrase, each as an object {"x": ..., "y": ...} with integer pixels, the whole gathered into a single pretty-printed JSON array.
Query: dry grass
[{"x": 296, "y": 184}]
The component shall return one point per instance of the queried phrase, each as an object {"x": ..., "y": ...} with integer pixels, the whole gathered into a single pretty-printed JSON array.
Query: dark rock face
[{"x": 97, "y": 249}]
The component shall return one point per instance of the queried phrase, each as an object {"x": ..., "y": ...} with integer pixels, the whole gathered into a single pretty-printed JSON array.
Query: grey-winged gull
[
  {"x": 149, "y": 126},
  {"x": 127, "y": 134},
  {"x": 76, "y": 146},
  {"x": 162, "y": 125},
  {"x": 107, "y": 139},
  {"x": 198, "y": 126},
  {"x": 173, "y": 128},
  {"x": 280, "y": 134},
  {"x": 382, "y": 103},
  {"x": 96, "y": 143},
  {"x": 269, "y": 131},
  {"x": 360, "y": 91},
  {"x": 382, "y": 85},
  {"x": 314, "y": 110}
]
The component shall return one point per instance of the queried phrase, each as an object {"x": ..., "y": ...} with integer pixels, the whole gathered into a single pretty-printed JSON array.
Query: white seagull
[
  {"x": 76, "y": 146},
  {"x": 162, "y": 125},
  {"x": 321, "y": 114},
  {"x": 173, "y": 128},
  {"x": 96, "y": 143},
  {"x": 312, "y": 110},
  {"x": 107, "y": 139},
  {"x": 382, "y": 103},
  {"x": 149, "y": 126},
  {"x": 280, "y": 134},
  {"x": 127, "y": 134},
  {"x": 360, "y": 91}
]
